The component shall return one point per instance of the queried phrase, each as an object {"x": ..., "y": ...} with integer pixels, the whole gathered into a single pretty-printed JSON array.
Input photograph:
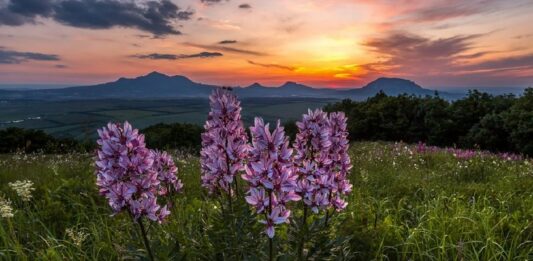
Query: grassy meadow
[{"x": 405, "y": 205}]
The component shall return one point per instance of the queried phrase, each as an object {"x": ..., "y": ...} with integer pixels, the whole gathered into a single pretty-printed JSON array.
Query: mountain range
[{"x": 156, "y": 85}]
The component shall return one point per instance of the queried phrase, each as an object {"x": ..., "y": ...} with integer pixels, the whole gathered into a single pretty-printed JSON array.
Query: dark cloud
[
  {"x": 154, "y": 16},
  {"x": 212, "y": 2},
  {"x": 444, "y": 12},
  {"x": 201, "y": 55},
  {"x": 156, "y": 56},
  {"x": 441, "y": 10},
  {"x": 60, "y": 66},
  {"x": 12, "y": 19},
  {"x": 245, "y": 6},
  {"x": 14, "y": 57},
  {"x": 31, "y": 7},
  {"x": 228, "y": 42},
  {"x": 407, "y": 44},
  {"x": 19, "y": 12},
  {"x": 412, "y": 52},
  {"x": 445, "y": 61},
  {"x": 272, "y": 65},
  {"x": 226, "y": 49},
  {"x": 505, "y": 63},
  {"x": 160, "y": 56},
  {"x": 185, "y": 15}
]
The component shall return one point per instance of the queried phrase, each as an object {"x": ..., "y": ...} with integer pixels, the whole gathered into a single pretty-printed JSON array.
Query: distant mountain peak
[
  {"x": 395, "y": 86},
  {"x": 392, "y": 82},
  {"x": 255, "y": 85},
  {"x": 291, "y": 84},
  {"x": 155, "y": 75}
]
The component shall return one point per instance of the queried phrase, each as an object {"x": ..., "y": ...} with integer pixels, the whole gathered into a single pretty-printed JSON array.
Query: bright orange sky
[{"x": 326, "y": 43}]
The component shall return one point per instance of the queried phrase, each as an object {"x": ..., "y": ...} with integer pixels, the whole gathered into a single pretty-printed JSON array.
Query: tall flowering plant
[
  {"x": 131, "y": 176},
  {"x": 270, "y": 176},
  {"x": 322, "y": 163},
  {"x": 166, "y": 168},
  {"x": 312, "y": 161},
  {"x": 224, "y": 143},
  {"x": 340, "y": 164}
]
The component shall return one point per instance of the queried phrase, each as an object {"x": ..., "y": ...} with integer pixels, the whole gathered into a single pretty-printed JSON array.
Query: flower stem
[
  {"x": 303, "y": 233},
  {"x": 270, "y": 247},
  {"x": 145, "y": 239},
  {"x": 327, "y": 217},
  {"x": 327, "y": 210},
  {"x": 270, "y": 212},
  {"x": 229, "y": 200},
  {"x": 236, "y": 188}
]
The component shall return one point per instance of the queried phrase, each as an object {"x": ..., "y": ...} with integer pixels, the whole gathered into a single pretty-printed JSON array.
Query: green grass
[{"x": 404, "y": 206}]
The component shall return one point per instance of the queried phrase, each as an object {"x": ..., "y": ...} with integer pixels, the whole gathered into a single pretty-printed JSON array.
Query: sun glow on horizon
[{"x": 330, "y": 43}]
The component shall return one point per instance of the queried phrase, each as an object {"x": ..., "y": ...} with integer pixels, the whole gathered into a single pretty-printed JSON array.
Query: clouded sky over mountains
[{"x": 329, "y": 43}]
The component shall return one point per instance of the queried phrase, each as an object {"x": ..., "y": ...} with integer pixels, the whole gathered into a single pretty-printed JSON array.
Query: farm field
[
  {"x": 407, "y": 203},
  {"x": 80, "y": 119}
]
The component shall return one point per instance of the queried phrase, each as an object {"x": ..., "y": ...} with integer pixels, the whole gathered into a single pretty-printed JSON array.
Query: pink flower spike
[
  {"x": 312, "y": 162},
  {"x": 340, "y": 165},
  {"x": 270, "y": 175},
  {"x": 130, "y": 175},
  {"x": 224, "y": 143}
]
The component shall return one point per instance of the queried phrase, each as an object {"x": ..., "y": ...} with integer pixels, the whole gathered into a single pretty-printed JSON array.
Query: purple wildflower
[
  {"x": 421, "y": 147},
  {"x": 269, "y": 173},
  {"x": 340, "y": 161},
  {"x": 463, "y": 154},
  {"x": 224, "y": 143},
  {"x": 167, "y": 169},
  {"x": 127, "y": 175},
  {"x": 312, "y": 162},
  {"x": 510, "y": 156}
]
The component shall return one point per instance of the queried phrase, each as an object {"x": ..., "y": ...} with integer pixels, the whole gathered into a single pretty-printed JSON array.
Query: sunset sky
[{"x": 321, "y": 43}]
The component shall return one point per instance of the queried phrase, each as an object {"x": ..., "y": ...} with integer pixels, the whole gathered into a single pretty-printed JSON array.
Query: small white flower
[
  {"x": 6, "y": 211},
  {"x": 76, "y": 236},
  {"x": 23, "y": 189}
]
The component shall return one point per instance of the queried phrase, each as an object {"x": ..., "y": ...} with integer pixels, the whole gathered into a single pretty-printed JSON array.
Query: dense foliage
[
  {"x": 183, "y": 136},
  {"x": 29, "y": 141},
  {"x": 480, "y": 120},
  {"x": 406, "y": 203},
  {"x": 161, "y": 136}
]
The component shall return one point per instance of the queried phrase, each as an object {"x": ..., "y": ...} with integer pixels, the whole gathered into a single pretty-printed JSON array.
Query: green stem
[
  {"x": 145, "y": 239},
  {"x": 327, "y": 217},
  {"x": 236, "y": 188},
  {"x": 270, "y": 212},
  {"x": 270, "y": 247},
  {"x": 230, "y": 204},
  {"x": 303, "y": 233}
]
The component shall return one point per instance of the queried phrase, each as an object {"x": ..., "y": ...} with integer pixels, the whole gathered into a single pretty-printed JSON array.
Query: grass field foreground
[{"x": 405, "y": 204}]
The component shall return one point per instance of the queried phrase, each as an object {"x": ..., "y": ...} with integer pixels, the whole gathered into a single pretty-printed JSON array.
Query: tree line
[
  {"x": 32, "y": 141},
  {"x": 181, "y": 136},
  {"x": 480, "y": 120}
]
